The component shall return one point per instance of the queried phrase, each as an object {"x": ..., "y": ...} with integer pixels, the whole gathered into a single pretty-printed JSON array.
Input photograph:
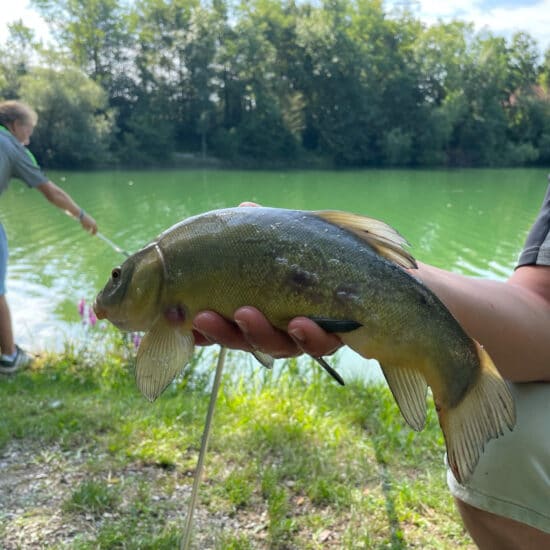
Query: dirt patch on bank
[{"x": 35, "y": 484}]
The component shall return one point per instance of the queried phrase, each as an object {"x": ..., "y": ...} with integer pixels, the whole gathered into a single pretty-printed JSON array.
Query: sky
[{"x": 501, "y": 17}]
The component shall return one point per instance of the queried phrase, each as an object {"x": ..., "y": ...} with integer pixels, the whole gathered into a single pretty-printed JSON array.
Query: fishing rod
[
  {"x": 105, "y": 239},
  {"x": 115, "y": 247}
]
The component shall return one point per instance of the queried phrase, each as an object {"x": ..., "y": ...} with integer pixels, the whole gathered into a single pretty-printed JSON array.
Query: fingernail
[
  {"x": 298, "y": 335},
  {"x": 243, "y": 325},
  {"x": 208, "y": 337}
]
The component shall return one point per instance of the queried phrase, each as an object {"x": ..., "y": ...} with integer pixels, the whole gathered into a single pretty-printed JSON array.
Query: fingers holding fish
[
  {"x": 211, "y": 328},
  {"x": 252, "y": 331},
  {"x": 311, "y": 338},
  {"x": 262, "y": 335}
]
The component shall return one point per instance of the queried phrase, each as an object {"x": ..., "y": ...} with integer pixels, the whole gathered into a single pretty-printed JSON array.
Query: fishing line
[
  {"x": 186, "y": 538},
  {"x": 115, "y": 247}
]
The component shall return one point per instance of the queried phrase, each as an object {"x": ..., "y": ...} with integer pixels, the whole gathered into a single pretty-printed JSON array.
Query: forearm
[
  {"x": 64, "y": 201},
  {"x": 510, "y": 319}
]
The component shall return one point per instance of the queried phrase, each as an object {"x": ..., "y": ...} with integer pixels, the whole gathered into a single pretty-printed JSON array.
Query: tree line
[{"x": 339, "y": 83}]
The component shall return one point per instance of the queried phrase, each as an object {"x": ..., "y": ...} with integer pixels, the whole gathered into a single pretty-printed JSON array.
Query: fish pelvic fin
[
  {"x": 336, "y": 325},
  {"x": 162, "y": 353},
  {"x": 383, "y": 238},
  {"x": 409, "y": 390},
  {"x": 265, "y": 359},
  {"x": 486, "y": 409}
]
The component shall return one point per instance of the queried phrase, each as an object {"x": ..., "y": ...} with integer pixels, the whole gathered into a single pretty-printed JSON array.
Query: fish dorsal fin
[
  {"x": 383, "y": 238},
  {"x": 162, "y": 353},
  {"x": 409, "y": 390}
]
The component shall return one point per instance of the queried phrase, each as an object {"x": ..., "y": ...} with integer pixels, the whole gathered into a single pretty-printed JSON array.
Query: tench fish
[{"x": 342, "y": 270}]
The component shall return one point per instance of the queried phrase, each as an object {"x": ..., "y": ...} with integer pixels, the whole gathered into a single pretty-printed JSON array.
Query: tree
[
  {"x": 340, "y": 82},
  {"x": 73, "y": 129},
  {"x": 95, "y": 34},
  {"x": 15, "y": 58}
]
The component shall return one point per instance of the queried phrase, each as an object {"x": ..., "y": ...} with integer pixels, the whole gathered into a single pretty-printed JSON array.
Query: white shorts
[{"x": 512, "y": 478}]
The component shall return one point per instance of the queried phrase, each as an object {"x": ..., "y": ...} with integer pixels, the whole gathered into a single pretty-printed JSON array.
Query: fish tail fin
[{"x": 486, "y": 409}]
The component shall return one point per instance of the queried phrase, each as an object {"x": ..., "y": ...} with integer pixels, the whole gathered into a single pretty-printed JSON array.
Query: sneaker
[{"x": 21, "y": 360}]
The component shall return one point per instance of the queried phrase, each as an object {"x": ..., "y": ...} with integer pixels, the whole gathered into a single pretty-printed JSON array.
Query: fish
[{"x": 351, "y": 274}]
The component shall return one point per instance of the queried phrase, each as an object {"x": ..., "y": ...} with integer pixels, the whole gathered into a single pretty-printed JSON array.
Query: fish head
[{"x": 131, "y": 298}]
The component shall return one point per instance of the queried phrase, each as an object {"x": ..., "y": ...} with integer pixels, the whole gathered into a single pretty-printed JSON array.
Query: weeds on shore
[{"x": 295, "y": 460}]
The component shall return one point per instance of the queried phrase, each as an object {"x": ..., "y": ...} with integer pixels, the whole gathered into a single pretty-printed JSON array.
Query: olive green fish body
[
  {"x": 323, "y": 265},
  {"x": 290, "y": 263},
  {"x": 283, "y": 267}
]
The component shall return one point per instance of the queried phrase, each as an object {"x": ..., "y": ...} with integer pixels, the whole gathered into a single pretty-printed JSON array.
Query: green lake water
[{"x": 470, "y": 221}]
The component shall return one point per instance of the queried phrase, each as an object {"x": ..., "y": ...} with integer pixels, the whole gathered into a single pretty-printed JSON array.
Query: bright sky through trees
[{"x": 502, "y": 17}]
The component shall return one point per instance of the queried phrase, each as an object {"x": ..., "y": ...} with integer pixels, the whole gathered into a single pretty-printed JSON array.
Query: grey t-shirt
[
  {"x": 537, "y": 246},
  {"x": 17, "y": 162}
]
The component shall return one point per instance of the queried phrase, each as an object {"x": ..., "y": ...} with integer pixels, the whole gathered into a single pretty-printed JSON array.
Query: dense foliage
[{"x": 333, "y": 83}]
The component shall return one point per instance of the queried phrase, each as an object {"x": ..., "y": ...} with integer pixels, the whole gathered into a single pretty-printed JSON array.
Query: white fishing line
[{"x": 115, "y": 247}]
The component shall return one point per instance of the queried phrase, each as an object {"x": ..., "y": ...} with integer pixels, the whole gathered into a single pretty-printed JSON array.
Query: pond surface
[{"x": 470, "y": 221}]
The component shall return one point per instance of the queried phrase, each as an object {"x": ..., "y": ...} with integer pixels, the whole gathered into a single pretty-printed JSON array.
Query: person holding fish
[
  {"x": 505, "y": 504},
  {"x": 339, "y": 278},
  {"x": 17, "y": 122}
]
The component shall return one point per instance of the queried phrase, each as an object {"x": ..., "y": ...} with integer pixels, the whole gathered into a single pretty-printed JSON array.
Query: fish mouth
[
  {"x": 100, "y": 312},
  {"x": 121, "y": 323}
]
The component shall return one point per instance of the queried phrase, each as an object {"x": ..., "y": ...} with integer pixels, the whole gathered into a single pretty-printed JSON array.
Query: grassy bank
[{"x": 295, "y": 461}]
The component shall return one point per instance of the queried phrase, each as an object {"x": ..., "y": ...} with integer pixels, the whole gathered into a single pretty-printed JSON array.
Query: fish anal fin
[
  {"x": 383, "y": 238},
  {"x": 408, "y": 385},
  {"x": 483, "y": 414},
  {"x": 163, "y": 352},
  {"x": 409, "y": 389}
]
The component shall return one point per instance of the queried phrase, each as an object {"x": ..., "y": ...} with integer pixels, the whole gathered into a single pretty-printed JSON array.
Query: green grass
[
  {"x": 295, "y": 461},
  {"x": 94, "y": 497}
]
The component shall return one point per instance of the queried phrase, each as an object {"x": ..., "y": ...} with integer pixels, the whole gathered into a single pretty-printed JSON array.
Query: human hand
[
  {"x": 251, "y": 331},
  {"x": 88, "y": 223}
]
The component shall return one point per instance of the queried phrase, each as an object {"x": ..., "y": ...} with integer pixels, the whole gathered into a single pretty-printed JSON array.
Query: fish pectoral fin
[
  {"x": 265, "y": 359},
  {"x": 383, "y": 238},
  {"x": 330, "y": 370},
  {"x": 162, "y": 353},
  {"x": 335, "y": 325},
  {"x": 481, "y": 415},
  {"x": 409, "y": 389}
]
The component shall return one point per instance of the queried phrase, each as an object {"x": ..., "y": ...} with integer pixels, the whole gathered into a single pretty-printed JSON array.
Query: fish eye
[{"x": 115, "y": 274}]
